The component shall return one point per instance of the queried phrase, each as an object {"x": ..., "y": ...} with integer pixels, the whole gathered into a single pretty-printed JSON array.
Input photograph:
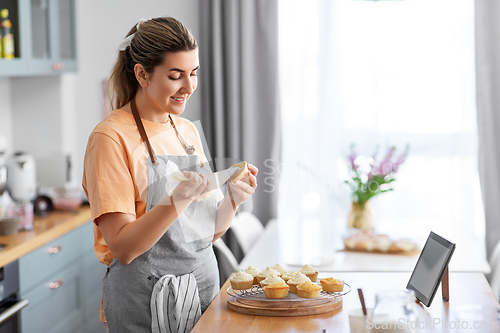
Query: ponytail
[{"x": 122, "y": 82}]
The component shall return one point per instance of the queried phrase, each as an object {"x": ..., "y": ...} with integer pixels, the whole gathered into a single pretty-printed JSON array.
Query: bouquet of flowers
[{"x": 369, "y": 176}]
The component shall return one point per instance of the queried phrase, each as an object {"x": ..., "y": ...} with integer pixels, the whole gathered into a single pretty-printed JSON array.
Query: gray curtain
[
  {"x": 487, "y": 34},
  {"x": 239, "y": 86}
]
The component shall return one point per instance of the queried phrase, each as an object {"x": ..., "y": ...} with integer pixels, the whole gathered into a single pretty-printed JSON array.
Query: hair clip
[{"x": 127, "y": 40}]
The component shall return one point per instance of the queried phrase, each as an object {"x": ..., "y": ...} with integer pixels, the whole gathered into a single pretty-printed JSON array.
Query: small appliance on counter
[
  {"x": 56, "y": 190},
  {"x": 21, "y": 184},
  {"x": 21, "y": 180}
]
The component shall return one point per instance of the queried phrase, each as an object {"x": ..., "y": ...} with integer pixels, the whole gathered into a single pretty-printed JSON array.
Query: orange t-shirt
[{"x": 115, "y": 177}]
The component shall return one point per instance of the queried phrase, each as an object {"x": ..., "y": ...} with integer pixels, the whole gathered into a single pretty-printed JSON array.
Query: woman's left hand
[{"x": 240, "y": 190}]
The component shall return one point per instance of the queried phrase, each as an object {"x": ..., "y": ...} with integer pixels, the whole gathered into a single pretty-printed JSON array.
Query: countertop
[{"x": 45, "y": 230}]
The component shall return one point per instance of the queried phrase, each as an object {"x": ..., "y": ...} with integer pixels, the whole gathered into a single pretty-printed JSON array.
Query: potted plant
[{"x": 369, "y": 177}]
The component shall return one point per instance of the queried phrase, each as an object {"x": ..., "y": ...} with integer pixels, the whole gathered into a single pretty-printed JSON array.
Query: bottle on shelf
[
  {"x": 7, "y": 38},
  {"x": 1, "y": 40}
]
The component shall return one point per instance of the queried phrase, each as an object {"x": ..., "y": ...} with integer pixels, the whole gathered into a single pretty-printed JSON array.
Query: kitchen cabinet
[
  {"x": 62, "y": 282},
  {"x": 44, "y": 37}
]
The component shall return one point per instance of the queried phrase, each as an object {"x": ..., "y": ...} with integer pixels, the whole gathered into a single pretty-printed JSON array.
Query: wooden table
[
  {"x": 268, "y": 251},
  {"x": 465, "y": 288}
]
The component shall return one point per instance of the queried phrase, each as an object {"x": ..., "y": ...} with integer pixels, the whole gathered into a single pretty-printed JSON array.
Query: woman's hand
[
  {"x": 193, "y": 189},
  {"x": 240, "y": 190}
]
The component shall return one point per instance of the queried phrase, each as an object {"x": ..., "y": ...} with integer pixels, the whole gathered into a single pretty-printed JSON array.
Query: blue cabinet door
[
  {"x": 57, "y": 304},
  {"x": 46, "y": 39}
]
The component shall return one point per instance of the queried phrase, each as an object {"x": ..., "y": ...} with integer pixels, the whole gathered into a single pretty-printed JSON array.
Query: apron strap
[{"x": 142, "y": 131}]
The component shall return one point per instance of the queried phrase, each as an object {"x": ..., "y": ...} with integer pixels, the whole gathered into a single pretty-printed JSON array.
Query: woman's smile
[{"x": 179, "y": 100}]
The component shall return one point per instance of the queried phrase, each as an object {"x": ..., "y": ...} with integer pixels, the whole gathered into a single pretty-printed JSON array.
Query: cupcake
[
  {"x": 299, "y": 278},
  {"x": 288, "y": 275},
  {"x": 241, "y": 280},
  {"x": 276, "y": 290},
  {"x": 266, "y": 273},
  {"x": 282, "y": 270},
  {"x": 308, "y": 290},
  {"x": 332, "y": 285},
  {"x": 270, "y": 280},
  {"x": 253, "y": 272},
  {"x": 310, "y": 272},
  {"x": 241, "y": 172}
]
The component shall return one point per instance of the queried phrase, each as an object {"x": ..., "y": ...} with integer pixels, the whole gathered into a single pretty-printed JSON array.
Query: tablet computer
[{"x": 430, "y": 267}]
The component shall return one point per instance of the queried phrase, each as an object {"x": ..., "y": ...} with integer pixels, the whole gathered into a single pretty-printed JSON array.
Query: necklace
[{"x": 187, "y": 147}]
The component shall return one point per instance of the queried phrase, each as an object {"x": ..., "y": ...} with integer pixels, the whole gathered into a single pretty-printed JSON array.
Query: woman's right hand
[{"x": 193, "y": 189}]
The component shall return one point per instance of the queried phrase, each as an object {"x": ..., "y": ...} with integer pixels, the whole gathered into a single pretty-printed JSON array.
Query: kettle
[{"x": 21, "y": 177}]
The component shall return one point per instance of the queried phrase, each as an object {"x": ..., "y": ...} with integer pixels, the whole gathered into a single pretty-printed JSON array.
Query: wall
[
  {"x": 5, "y": 112},
  {"x": 56, "y": 114}
]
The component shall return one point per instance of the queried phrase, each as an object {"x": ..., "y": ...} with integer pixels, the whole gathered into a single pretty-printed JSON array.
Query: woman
[{"x": 143, "y": 230}]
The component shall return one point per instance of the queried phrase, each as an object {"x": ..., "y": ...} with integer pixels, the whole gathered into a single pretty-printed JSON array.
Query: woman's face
[{"x": 173, "y": 82}]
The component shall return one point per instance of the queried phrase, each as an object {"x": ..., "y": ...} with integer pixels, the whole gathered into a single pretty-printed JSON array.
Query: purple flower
[
  {"x": 352, "y": 158},
  {"x": 388, "y": 156},
  {"x": 399, "y": 161}
]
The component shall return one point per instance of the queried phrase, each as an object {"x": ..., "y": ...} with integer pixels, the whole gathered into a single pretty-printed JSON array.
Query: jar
[
  {"x": 24, "y": 210},
  {"x": 395, "y": 312}
]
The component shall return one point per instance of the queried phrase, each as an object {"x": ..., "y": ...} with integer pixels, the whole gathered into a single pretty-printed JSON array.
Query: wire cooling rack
[{"x": 256, "y": 293}]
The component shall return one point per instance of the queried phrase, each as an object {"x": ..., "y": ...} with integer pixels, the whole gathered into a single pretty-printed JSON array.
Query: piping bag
[{"x": 216, "y": 179}]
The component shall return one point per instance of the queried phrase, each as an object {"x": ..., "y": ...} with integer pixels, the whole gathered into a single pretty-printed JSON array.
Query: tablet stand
[{"x": 445, "y": 287}]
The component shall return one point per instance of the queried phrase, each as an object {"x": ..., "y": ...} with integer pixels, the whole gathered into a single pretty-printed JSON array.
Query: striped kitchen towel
[{"x": 175, "y": 304}]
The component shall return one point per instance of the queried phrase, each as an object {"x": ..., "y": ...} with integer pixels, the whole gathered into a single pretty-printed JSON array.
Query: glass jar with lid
[{"x": 395, "y": 312}]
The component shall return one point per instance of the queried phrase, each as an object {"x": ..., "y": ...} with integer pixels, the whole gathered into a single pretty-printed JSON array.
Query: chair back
[
  {"x": 247, "y": 228},
  {"x": 225, "y": 259}
]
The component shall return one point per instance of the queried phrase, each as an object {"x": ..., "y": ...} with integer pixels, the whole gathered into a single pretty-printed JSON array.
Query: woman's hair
[{"x": 152, "y": 40}]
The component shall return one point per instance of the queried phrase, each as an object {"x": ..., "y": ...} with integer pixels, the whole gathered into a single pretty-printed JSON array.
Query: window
[{"x": 377, "y": 73}]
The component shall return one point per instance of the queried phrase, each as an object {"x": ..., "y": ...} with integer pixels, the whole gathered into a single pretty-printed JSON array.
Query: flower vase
[{"x": 361, "y": 217}]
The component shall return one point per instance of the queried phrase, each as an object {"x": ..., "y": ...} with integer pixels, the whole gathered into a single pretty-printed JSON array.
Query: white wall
[{"x": 5, "y": 111}]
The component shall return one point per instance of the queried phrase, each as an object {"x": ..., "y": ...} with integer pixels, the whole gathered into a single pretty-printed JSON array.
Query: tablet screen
[{"x": 430, "y": 267}]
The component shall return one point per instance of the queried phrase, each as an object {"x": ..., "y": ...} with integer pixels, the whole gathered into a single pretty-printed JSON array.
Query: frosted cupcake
[
  {"x": 308, "y": 290},
  {"x": 310, "y": 272},
  {"x": 276, "y": 290},
  {"x": 270, "y": 280},
  {"x": 241, "y": 280},
  {"x": 268, "y": 272},
  {"x": 288, "y": 275},
  {"x": 332, "y": 285},
  {"x": 253, "y": 272},
  {"x": 299, "y": 278},
  {"x": 282, "y": 270}
]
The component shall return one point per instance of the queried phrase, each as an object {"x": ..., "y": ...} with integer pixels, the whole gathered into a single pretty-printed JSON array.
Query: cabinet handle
[
  {"x": 54, "y": 249},
  {"x": 56, "y": 284},
  {"x": 58, "y": 66}
]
